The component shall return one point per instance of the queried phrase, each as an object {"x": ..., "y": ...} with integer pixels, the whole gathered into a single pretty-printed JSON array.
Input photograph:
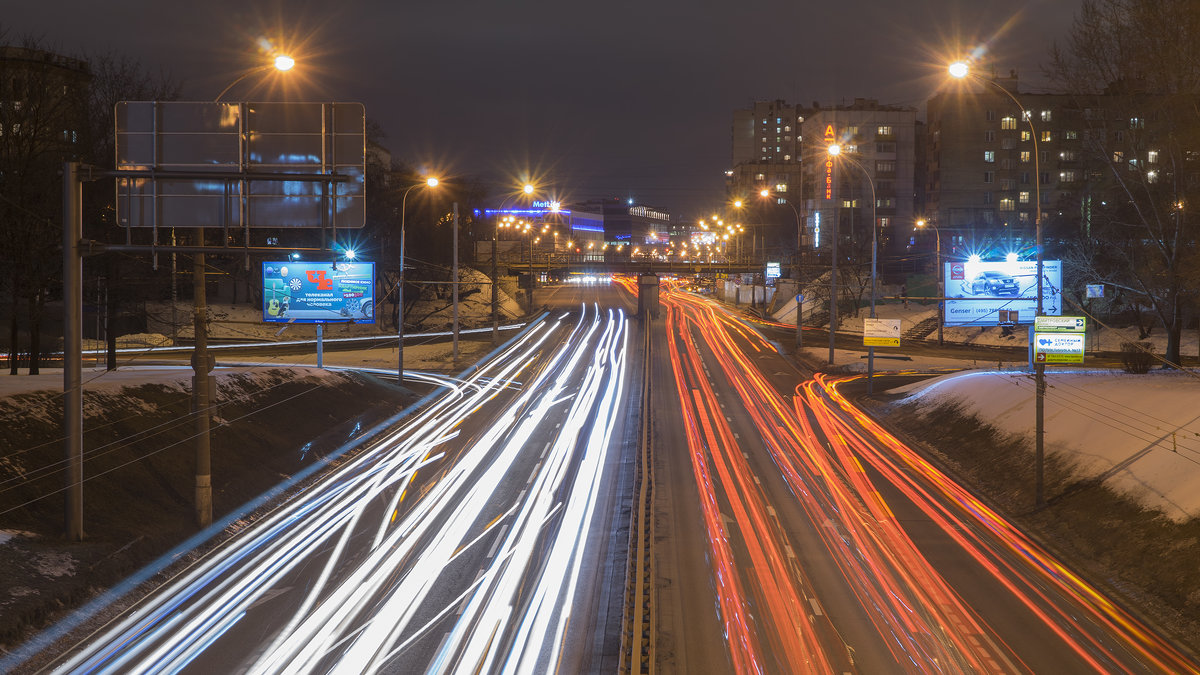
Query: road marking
[
  {"x": 771, "y": 511},
  {"x": 816, "y": 606},
  {"x": 534, "y": 474},
  {"x": 756, "y": 480},
  {"x": 790, "y": 553},
  {"x": 499, "y": 538},
  {"x": 546, "y": 448}
]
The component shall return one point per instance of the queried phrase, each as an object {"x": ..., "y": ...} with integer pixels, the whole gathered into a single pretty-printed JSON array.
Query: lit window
[
  {"x": 1068, "y": 176},
  {"x": 787, "y": 128},
  {"x": 1025, "y": 135},
  {"x": 885, "y": 166},
  {"x": 883, "y": 130},
  {"x": 1067, "y": 155},
  {"x": 1047, "y": 136},
  {"x": 1023, "y": 197},
  {"x": 1045, "y": 115},
  {"x": 989, "y": 155},
  {"x": 1026, "y": 115},
  {"x": 1007, "y": 204},
  {"x": 787, "y": 158},
  {"x": 781, "y": 187},
  {"x": 1026, "y": 155},
  {"x": 1152, "y": 157},
  {"x": 1118, "y": 156},
  {"x": 760, "y": 176},
  {"x": 1023, "y": 217},
  {"x": 1070, "y": 135},
  {"x": 1137, "y": 123},
  {"x": 1008, "y": 123}
]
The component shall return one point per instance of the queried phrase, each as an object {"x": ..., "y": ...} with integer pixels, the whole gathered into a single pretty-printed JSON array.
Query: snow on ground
[{"x": 1138, "y": 433}]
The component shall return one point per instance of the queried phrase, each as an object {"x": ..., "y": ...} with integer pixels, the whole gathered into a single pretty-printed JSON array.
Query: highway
[
  {"x": 793, "y": 533},
  {"x": 826, "y": 545},
  {"x": 480, "y": 536}
]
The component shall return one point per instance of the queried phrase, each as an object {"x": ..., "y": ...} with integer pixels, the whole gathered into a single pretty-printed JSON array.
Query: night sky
[{"x": 608, "y": 99}]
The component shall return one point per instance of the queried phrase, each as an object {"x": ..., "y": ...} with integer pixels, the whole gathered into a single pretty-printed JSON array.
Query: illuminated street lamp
[
  {"x": 960, "y": 70},
  {"x": 428, "y": 182},
  {"x": 281, "y": 63}
]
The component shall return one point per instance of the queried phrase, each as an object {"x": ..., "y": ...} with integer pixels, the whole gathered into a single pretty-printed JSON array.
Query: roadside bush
[{"x": 1136, "y": 357}]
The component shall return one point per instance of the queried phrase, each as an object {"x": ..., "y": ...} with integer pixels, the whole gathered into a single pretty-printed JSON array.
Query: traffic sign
[
  {"x": 1058, "y": 347},
  {"x": 1060, "y": 324},
  {"x": 881, "y": 332}
]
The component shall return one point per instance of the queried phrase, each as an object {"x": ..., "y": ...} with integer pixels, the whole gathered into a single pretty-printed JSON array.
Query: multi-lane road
[
  {"x": 792, "y": 533},
  {"x": 479, "y": 536}
]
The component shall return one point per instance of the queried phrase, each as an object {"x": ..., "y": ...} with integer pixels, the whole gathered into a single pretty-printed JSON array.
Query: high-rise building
[
  {"x": 879, "y": 147},
  {"x": 990, "y": 161}
]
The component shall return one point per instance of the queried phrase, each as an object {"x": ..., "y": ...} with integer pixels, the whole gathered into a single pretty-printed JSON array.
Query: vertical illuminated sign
[{"x": 830, "y": 137}]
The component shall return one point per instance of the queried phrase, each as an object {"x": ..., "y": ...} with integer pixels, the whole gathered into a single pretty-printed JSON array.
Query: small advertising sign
[
  {"x": 1058, "y": 347},
  {"x": 318, "y": 292},
  {"x": 1095, "y": 291},
  {"x": 881, "y": 332}
]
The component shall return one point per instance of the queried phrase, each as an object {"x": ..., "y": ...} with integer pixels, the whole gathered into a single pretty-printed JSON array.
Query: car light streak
[{"x": 361, "y": 594}]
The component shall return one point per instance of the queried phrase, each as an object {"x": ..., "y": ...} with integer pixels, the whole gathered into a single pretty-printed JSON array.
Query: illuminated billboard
[
  {"x": 976, "y": 292},
  {"x": 318, "y": 292}
]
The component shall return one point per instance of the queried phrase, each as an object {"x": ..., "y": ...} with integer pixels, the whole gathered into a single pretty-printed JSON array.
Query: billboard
[
  {"x": 318, "y": 292},
  {"x": 260, "y": 141},
  {"x": 976, "y": 292}
]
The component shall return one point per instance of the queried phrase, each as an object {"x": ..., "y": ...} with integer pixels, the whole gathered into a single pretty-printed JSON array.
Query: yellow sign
[{"x": 881, "y": 332}]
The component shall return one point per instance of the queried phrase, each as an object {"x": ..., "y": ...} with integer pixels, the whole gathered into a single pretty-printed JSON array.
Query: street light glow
[
  {"x": 431, "y": 182},
  {"x": 528, "y": 188},
  {"x": 835, "y": 150},
  {"x": 284, "y": 62},
  {"x": 959, "y": 69},
  {"x": 764, "y": 193}
]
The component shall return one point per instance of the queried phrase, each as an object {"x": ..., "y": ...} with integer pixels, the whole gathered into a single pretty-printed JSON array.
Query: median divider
[{"x": 638, "y": 625}]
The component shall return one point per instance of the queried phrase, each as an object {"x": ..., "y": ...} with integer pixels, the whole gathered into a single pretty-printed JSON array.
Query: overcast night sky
[{"x": 617, "y": 98}]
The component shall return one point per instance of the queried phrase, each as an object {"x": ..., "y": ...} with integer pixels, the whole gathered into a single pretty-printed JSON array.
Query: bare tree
[
  {"x": 1134, "y": 66},
  {"x": 42, "y": 103}
]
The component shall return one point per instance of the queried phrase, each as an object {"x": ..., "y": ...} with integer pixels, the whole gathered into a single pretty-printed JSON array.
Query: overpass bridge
[{"x": 562, "y": 266}]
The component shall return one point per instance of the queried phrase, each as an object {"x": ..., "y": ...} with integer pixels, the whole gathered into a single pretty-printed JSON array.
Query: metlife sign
[
  {"x": 318, "y": 292},
  {"x": 976, "y": 292}
]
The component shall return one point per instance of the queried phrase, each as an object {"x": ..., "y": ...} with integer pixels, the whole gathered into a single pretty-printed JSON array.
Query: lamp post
[
  {"x": 202, "y": 362},
  {"x": 526, "y": 189},
  {"x": 836, "y": 151},
  {"x": 799, "y": 239},
  {"x": 960, "y": 70},
  {"x": 429, "y": 182},
  {"x": 937, "y": 261}
]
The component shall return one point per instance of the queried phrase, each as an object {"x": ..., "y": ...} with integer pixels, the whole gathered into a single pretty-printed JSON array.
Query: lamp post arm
[{"x": 243, "y": 76}]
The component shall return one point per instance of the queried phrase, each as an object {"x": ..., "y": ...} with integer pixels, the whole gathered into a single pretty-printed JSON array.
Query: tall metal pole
[
  {"x": 400, "y": 311},
  {"x": 202, "y": 365},
  {"x": 941, "y": 283},
  {"x": 495, "y": 289},
  {"x": 1039, "y": 368},
  {"x": 833, "y": 275},
  {"x": 874, "y": 248},
  {"x": 73, "y": 348},
  {"x": 454, "y": 286}
]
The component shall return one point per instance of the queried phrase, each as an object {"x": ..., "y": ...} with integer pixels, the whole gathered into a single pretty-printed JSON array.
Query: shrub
[{"x": 1136, "y": 357}]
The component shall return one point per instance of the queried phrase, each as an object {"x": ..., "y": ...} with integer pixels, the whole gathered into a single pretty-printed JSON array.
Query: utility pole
[
  {"x": 454, "y": 287},
  {"x": 202, "y": 365},
  {"x": 73, "y": 347}
]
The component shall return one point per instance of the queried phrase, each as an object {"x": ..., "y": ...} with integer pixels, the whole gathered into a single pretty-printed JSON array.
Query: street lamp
[
  {"x": 937, "y": 261},
  {"x": 429, "y": 182},
  {"x": 799, "y": 296},
  {"x": 281, "y": 63},
  {"x": 835, "y": 151},
  {"x": 960, "y": 70},
  {"x": 527, "y": 190}
]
